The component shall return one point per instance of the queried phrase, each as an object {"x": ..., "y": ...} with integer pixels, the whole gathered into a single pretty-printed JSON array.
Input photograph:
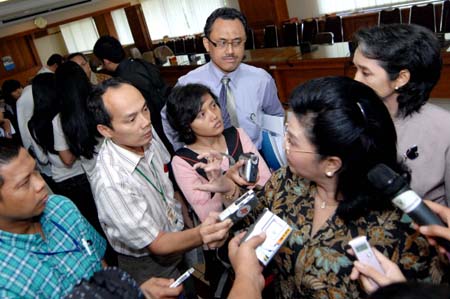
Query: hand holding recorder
[{"x": 372, "y": 267}]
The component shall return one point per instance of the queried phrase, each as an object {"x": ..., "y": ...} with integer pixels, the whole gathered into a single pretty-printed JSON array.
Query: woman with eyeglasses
[
  {"x": 402, "y": 63},
  {"x": 338, "y": 131}
]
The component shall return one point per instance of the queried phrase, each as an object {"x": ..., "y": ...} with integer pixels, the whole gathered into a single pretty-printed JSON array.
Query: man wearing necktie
[{"x": 247, "y": 92}]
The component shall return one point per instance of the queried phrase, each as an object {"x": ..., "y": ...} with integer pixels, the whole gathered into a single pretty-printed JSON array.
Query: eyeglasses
[
  {"x": 222, "y": 44},
  {"x": 287, "y": 144}
]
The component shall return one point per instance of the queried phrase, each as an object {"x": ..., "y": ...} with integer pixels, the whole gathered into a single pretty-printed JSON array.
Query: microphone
[{"x": 389, "y": 183}]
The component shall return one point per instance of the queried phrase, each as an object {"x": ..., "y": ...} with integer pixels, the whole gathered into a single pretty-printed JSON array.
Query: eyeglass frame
[
  {"x": 287, "y": 144},
  {"x": 223, "y": 44}
]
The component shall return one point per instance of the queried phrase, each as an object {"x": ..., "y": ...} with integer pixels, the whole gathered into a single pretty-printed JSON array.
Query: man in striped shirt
[{"x": 132, "y": 190}]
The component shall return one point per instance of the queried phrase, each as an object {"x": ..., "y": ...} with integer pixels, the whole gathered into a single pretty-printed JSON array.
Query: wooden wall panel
[
  {"x": 105, "y": 25},
  {"x": 138, "y": 26},
  {"x": 260, "y": 13},
  {"x": 24, "y": 55}
]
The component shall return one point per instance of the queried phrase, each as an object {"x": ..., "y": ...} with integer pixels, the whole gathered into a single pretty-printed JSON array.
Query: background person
[
  {"x": 402, "y": 63},
  {"x": 253, "y": 91},
  {"x": 141, "y": 74}
]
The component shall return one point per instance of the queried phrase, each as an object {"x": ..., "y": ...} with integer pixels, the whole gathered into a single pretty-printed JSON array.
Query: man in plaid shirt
[{"x": 46, "y": 245}]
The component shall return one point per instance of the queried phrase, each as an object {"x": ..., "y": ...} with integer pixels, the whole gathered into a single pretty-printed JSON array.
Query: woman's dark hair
[
  {"x": 409, "y": 47},
  {"x": 183, "y": 105},
  {"x": 411, "y": 290},
  {"x": 8, "y": 87},
  {"x": 73, "y": 89},
  {"x": 346, "y": 119},
  {"x": 46, "y": 107},
  {"x": 225, "y": 13}
]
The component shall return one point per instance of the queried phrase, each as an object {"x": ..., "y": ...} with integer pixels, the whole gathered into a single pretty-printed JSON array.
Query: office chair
[
  {"x": 334, "y": 24},
  {"x": 290, "y": 34},
  {"x": 310, "y": 28},
  {"x": 423, "y": 15},
  {"x": 390, "y": 16},
  {"x": 324, "y": 38},
  {"x": 270, "y": 36}
]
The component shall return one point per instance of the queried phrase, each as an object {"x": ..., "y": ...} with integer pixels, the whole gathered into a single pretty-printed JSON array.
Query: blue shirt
[
  {"x": 254, "y": 91},
  {"x": 31, "y": 267}
]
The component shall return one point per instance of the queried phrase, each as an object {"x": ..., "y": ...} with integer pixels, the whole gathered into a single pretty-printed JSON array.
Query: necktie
[{"x": 230, "y": 101}]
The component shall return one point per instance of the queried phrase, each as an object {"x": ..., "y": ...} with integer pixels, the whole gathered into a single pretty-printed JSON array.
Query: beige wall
[
  {"x": 303, "y": 9},
  {"x": 50, "y": 44},
  {"x": 64, "y": 15}
]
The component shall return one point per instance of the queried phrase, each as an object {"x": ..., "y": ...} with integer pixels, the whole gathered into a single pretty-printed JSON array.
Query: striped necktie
[{"x": 230, "y": 101}]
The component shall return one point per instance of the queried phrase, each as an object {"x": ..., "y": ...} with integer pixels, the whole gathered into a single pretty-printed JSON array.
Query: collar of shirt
[
  {"x": 127, "y": 158},
  {"x": 218, "y": 74},
  {"x": 21, "y": 241}
]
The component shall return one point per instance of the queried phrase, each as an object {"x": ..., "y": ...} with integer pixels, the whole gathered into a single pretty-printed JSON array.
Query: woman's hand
[
  {"x": 364, "y": 272},
  {"x": 233, "y": 174},
  {"x": 212, "y": 168},
  {"x": 218, "y": 183},
  {"x": 432, "y": 231}
]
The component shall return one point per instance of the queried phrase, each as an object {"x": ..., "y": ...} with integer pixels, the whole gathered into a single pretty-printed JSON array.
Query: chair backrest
[
  {"x": 179, "y": 46},
  {"x": 135, "y": 53},
  {"x": 390, "y": 16},
  {"x": 199, "y": 47},
  {"x": 290, "y": 34},
  {"x": 250, "y": 42},
  {"x": 270, "y": 36},
  {"x": 445, "y": 17},
  {"x": 423, "y": 15},
  {"x": 189, "y": 45},
  {"x": 334, "y": 24},
  {"x": 161, "y": 53},
  {"x": 171, "y": 45},
  {"x": 309, "y": 30},
  {"x": 149, "y": 56},
  {"x": 324, "y": 38}
]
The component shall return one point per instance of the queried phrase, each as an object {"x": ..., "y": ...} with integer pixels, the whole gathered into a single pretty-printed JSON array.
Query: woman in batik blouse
[{"x": 338, "y": 131}]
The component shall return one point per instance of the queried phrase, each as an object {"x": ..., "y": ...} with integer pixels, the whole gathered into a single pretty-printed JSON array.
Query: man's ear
[
  {"x": 206, "y": 44},
  {"x": 105, "y": 131}
]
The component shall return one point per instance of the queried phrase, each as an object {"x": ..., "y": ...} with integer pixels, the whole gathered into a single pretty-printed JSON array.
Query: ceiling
[{"x": 14, "y": 11}]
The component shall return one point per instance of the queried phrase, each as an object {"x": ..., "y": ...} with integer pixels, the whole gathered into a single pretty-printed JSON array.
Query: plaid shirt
[{"x": 31, "y": 267}]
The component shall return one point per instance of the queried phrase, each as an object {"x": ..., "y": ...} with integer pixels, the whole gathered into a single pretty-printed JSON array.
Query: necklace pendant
[{"x": 323, "y": 205}]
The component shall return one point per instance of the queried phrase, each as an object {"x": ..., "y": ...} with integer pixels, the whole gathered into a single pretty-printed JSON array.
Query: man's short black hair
[
  {"x": 55, "y": 59},
  {"x": 225, "y": 13},
  {"x": 108, "y": 47},
  {"x": 95, "y": 102},
  {"x": 9, "y": 150}
]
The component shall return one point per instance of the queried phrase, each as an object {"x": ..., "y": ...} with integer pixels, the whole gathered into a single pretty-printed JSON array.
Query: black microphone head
[{"x": 385, "y": 180}]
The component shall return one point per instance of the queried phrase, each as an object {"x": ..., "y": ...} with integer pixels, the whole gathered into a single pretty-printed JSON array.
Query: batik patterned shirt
[{"x": 318, "y": 266}]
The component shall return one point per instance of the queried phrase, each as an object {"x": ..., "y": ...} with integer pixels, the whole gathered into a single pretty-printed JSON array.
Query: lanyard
[{"x": 160, "y": 189}]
